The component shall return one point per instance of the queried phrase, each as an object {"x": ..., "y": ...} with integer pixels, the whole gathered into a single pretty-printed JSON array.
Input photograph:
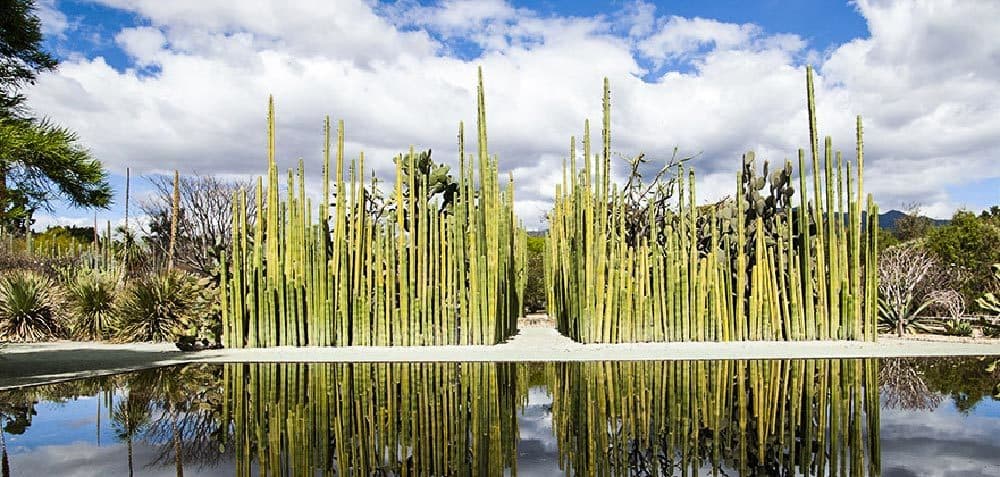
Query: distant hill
[{"x": 888, "y": 220}]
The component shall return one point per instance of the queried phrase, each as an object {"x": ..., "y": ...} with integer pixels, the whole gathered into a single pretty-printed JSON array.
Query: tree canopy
[
  {"x": 39, "y": 160},
  {"x": 21, "y": 54}
]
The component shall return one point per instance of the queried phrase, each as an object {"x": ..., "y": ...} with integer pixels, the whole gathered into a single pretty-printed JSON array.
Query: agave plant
[
  {"x": 991, "y": 301},
  {"x": 32, "y": 307},
  {"x": 955, "y": 327},
  {"x": 163, "y": 307},
  {"x": 91, "y": 304}
]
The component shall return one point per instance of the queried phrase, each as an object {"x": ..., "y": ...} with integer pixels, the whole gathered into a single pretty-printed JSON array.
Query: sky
[{"x": 156, "y": 86}]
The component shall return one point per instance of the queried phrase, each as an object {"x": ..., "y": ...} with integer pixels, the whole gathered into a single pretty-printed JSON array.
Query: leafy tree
[
  {"x": 971, "y": 244},
  {"x": 534, "y": 287},
  {"x": 39, "y": 161},
  {"x": 21, "y": 53},
  {"x": 912, "y": 225}
]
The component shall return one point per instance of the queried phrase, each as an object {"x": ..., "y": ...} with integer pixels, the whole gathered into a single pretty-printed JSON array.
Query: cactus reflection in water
[
  {"x": 428, "y": 272},
  {"x": 760, "y": 267},
  {"x": 373, "y": 419},
  {"x": 803, "y": 417}
]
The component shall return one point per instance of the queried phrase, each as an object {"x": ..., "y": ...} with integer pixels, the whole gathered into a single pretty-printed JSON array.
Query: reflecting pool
[{"x": 890, "y": 417}]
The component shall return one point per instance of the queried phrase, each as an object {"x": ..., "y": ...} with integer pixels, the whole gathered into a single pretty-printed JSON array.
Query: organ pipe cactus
[
  {"x": 440, "y": 267},
  {"x": 760, "y": 267}
]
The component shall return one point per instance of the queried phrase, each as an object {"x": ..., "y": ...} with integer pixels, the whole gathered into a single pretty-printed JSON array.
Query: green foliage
[
  {"x": 22, "y": 55},
  {"x": 41, "y": 162},
  {"x": 966, "y": 380},
  {"x": 955, "y": 327},
  {"x": 912, "y": 226},
  {"x": 753, "y": 268},
  {"x": 429, "y": 273},
  {"x": 904, "y": 320},
  {"x": 886, "y": 239},
  {"x": 426, "y": 175},
  {"x": 534, "y": 288},
  {"x": 972, "y": 244},
  {"x": 990, "y": 301},
  {"x": 91, "y": 298},
  {"x": 163, "y": 307},
  {"x": 32, "y": 307}
]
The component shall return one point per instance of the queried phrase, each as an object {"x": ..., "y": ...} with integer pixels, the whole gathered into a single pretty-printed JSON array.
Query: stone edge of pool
[{"x": 43, "y": 363}]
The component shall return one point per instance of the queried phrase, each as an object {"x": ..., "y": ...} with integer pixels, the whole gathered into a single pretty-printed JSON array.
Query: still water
[{"x": 891, "y": 417}]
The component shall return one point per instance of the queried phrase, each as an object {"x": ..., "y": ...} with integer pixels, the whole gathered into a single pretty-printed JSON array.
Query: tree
[
  {"x": 908, "y": 277},
  {"x": 205, "y": 219},
  {"x": 534, "y": 285},
  {"x": 912, "y": 225},
  {"x": 21, "y": 53},
  {"x": 39, "y": 161},
  {"x": 971, "y": 244}
]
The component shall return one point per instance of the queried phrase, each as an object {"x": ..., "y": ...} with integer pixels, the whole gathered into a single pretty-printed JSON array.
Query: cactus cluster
[
  {"x": 372, "y": 418},
  {"x": 792, "y": 417},
  {"x": 442, "y": 266},
  {"x": 757, "y": 267}
]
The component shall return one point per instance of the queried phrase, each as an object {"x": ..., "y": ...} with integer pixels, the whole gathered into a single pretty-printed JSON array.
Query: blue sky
[{"x": 161, "y": 85}]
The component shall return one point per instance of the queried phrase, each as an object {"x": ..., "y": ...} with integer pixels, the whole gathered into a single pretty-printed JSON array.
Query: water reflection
[{"x": 799, "y": 417}]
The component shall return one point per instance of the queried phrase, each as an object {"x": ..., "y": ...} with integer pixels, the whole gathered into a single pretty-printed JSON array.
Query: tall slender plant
[{"x": 759, "y": 267}]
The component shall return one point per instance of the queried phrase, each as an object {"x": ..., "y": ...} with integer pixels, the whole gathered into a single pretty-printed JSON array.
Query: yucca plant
[
  {"x": 91, "y": 297},
  {"x": 32, "y": 307},
  {"x": 163, "y": 307}
]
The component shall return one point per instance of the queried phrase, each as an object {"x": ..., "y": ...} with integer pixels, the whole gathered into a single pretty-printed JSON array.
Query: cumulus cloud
[{"x": 404, "y": 75}]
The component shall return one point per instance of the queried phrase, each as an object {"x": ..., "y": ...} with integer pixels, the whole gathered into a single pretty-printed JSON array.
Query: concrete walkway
[{"x": 36, "y": 363}]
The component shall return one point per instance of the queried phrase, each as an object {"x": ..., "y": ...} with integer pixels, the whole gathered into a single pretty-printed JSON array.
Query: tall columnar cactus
[
  {"x": 440, "y": 268},
  {"x": 759, "y": 267},
  {"x": 793, "y": 417}
]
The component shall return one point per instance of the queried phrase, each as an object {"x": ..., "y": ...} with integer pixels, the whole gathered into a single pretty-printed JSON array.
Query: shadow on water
[
  {"x": 28, "y": 367},
  {"x": 791, "y": 417}
]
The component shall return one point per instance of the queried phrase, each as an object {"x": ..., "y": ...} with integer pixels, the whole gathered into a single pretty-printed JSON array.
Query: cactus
[
  {"x": 435, "y": 262},
  {"x": 628, "y": 267}
]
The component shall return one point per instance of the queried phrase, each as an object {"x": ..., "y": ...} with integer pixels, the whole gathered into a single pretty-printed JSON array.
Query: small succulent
[{"x": 957, "y": 328}]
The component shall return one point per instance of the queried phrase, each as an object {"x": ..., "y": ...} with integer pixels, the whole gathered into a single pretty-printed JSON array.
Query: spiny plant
[
  {"x": 163, "y": 307},
  {"x": 791, "y": 417},
  {"x": 91, "y": 297},
  {"x": 956, "y": 327},
  {"x": 437, "y": 262},
  {"x": 990, "y": 301},
  {"x": 32, "y": 307},
  {"x": 759, "y": 267}
]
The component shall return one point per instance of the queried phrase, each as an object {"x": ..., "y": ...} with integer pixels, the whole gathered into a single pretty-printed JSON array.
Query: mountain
[{"x": 888, "y": 220}]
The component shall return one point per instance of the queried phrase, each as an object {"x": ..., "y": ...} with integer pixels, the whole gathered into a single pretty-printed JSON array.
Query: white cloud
[
  {"x": 54, "y": 22},
  {"x": 924, "y": 81}
]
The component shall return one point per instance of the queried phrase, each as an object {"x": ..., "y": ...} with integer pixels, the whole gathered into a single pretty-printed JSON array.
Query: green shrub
[
  {"x": 163, "y": 307},
  {"x": 91, "y": 304},
  {"x": 32, "y": 307},
  {"x": 957, "y": 328},
  {"x": 534, "y": 288}
]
